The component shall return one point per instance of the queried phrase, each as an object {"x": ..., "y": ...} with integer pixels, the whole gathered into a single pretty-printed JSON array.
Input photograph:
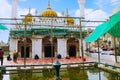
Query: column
[
  {"x": 13, "y": 46},
  {"x": 80, "y": 52},
  {"x": 62, "y": 48},
  {"x": 14, "y": 11},
  {"x": 82, "y": 24},
  {"x": 81, "y": 5},
  {"x": 37, "y": 47}
]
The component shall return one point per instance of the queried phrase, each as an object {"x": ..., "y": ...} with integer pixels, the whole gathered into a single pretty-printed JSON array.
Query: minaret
[
  {"x": 67, "y": 15},
  {"x": 81, "y": 5},
  {"x": 82, "y": 14},
  {"x": 14, "y": 10}
]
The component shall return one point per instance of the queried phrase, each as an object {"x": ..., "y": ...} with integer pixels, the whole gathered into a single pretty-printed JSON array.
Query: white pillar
[
  {"x": 14, "y": 8},
  {"x": 80, "y": 52},
  {"x": 62, "y": 48},
  {"x": 82, "y": 14},
  {"x": 13, "y": 46},
  {"x": 37, "y": 47},
  {"x": 81, "y": 5},
  {"x": 14, "y": 11}
]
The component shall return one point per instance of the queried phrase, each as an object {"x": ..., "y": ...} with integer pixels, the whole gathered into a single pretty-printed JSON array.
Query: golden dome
[
  {"x": 49, "y": 12},
  {"x": 69, "y": 20},
  {"x": 28, "y": 17}
]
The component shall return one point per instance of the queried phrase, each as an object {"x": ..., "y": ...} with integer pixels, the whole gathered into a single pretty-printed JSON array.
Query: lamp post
[
  {"x": 52, "y": 48},
  {"x": 81, "y": 41},
  {"x": 52, "y": 43},
  {"x": 57, "y": 66},
  {"x": 98, "y": 50},
  {"x": 25, "y": 44}
]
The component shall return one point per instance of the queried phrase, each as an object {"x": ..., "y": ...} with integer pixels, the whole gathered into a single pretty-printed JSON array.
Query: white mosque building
[{"x": 46, "y": 36}]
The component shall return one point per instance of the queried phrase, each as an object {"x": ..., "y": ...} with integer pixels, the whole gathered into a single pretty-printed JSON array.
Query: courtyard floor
[{"x": 29, "y": 61}]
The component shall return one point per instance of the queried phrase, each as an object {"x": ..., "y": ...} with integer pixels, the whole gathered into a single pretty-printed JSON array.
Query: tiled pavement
[{"x": 30, "y": 61}]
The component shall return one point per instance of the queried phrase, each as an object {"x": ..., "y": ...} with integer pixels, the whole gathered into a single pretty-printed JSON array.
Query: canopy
[
  {"x": 115, "y": 25},
  {"x": 3, "y": 27},
  {"x": 112, "y": 27}
]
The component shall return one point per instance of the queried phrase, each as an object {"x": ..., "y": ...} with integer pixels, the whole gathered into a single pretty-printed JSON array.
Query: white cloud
[
  {"x": 23, "y": 0},
  {"x": 56, "y": 0},
  {"x": 114, "y": 1},
  {"x": 5, "y": 12},
  {"x": 106, "y": 3},
  {"x": 5, "y": 9},
  {"x": 97, "y": 15},
  {"x": 25, "y": 11}
]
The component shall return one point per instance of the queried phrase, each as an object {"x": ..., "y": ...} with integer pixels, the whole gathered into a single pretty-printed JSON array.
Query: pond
[{"x": 69, "y": 73}]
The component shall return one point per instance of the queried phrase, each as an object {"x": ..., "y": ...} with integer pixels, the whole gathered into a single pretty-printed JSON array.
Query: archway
[
  {"x": 21, "y": 47},
  {"x": 49, "y": 50},
  {"x": 72, "y": 47},
  {"x": 49, "y": 46},
  {"x": 72, "y": 51}
]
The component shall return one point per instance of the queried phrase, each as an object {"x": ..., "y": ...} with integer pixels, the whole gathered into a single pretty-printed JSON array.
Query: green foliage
[
  {"x": 118, "y": 52},
  {"x": 79, "y": 73},
  {"x": 111, "y": 76},
  {"x": 6, "y": 52},
  {"x": 70, "y": 73}
]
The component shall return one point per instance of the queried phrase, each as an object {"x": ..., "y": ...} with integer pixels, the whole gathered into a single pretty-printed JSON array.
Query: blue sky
[{"x": 94, "y": 9}]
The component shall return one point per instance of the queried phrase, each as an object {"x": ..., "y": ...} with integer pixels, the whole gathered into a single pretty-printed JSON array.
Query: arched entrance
[
  {"x": 72, "y": 51},
  {"x": 49, "y": 46},
  {"x": 49, "y": 50},
  {"x": 72, "y": 47},
  {"x": 21, "y": 47}
]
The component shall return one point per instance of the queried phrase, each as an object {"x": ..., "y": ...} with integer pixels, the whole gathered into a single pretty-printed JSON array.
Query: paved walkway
[{"x": 30, "y": 61}]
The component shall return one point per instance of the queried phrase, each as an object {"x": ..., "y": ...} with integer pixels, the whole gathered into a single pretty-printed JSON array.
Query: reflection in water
[
  {"x": 112, "y": 76},
  {"x": 70, "y": 73},
  {"x": 1, "y": 76},
  {"x": 76, "y": 73}
]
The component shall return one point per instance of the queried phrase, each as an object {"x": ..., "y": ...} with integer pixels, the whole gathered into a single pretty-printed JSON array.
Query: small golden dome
[
  {"x": 49, "y": 12},
  {"x": 28, "y": 17},
  {"x": 69, "y": 20}
]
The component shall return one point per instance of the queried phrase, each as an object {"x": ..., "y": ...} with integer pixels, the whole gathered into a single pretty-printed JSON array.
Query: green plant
[
  {"x": 6, "y": 52},
  {"x": 118, "y": 52}
]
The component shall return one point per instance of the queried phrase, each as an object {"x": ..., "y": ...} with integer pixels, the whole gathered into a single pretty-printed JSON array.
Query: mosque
[{"x": 47, "y": 35}]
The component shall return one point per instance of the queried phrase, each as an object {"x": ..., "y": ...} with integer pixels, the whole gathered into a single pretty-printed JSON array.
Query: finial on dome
[
  {"x": 67, "y": 14},
  {"x": 62, "y": 13},
  {"x": 49, "y": 4},
  {"x": 36, "y": 12},
  {"x": 29, "y": 10}
]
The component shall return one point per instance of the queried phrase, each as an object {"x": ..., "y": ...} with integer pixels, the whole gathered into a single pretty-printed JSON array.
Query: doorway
[
  {"x": 49, "y": 51},
  {"x": 22, "y": 52},
  {"x": 72, "y": 51}
]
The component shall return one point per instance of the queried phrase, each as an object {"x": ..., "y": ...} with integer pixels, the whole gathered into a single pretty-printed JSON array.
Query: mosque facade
[{"x": 46, "y": 35}]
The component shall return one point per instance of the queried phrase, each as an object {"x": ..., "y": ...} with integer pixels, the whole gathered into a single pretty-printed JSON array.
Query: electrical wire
[{"x": 103, "y": 5}]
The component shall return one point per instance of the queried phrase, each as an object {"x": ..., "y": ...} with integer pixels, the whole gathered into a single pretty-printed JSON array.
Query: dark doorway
[
  {"x": 22, "y": 52},
  {"x": 49, "y": 51},
  {"x": 72, "y": 51}
]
